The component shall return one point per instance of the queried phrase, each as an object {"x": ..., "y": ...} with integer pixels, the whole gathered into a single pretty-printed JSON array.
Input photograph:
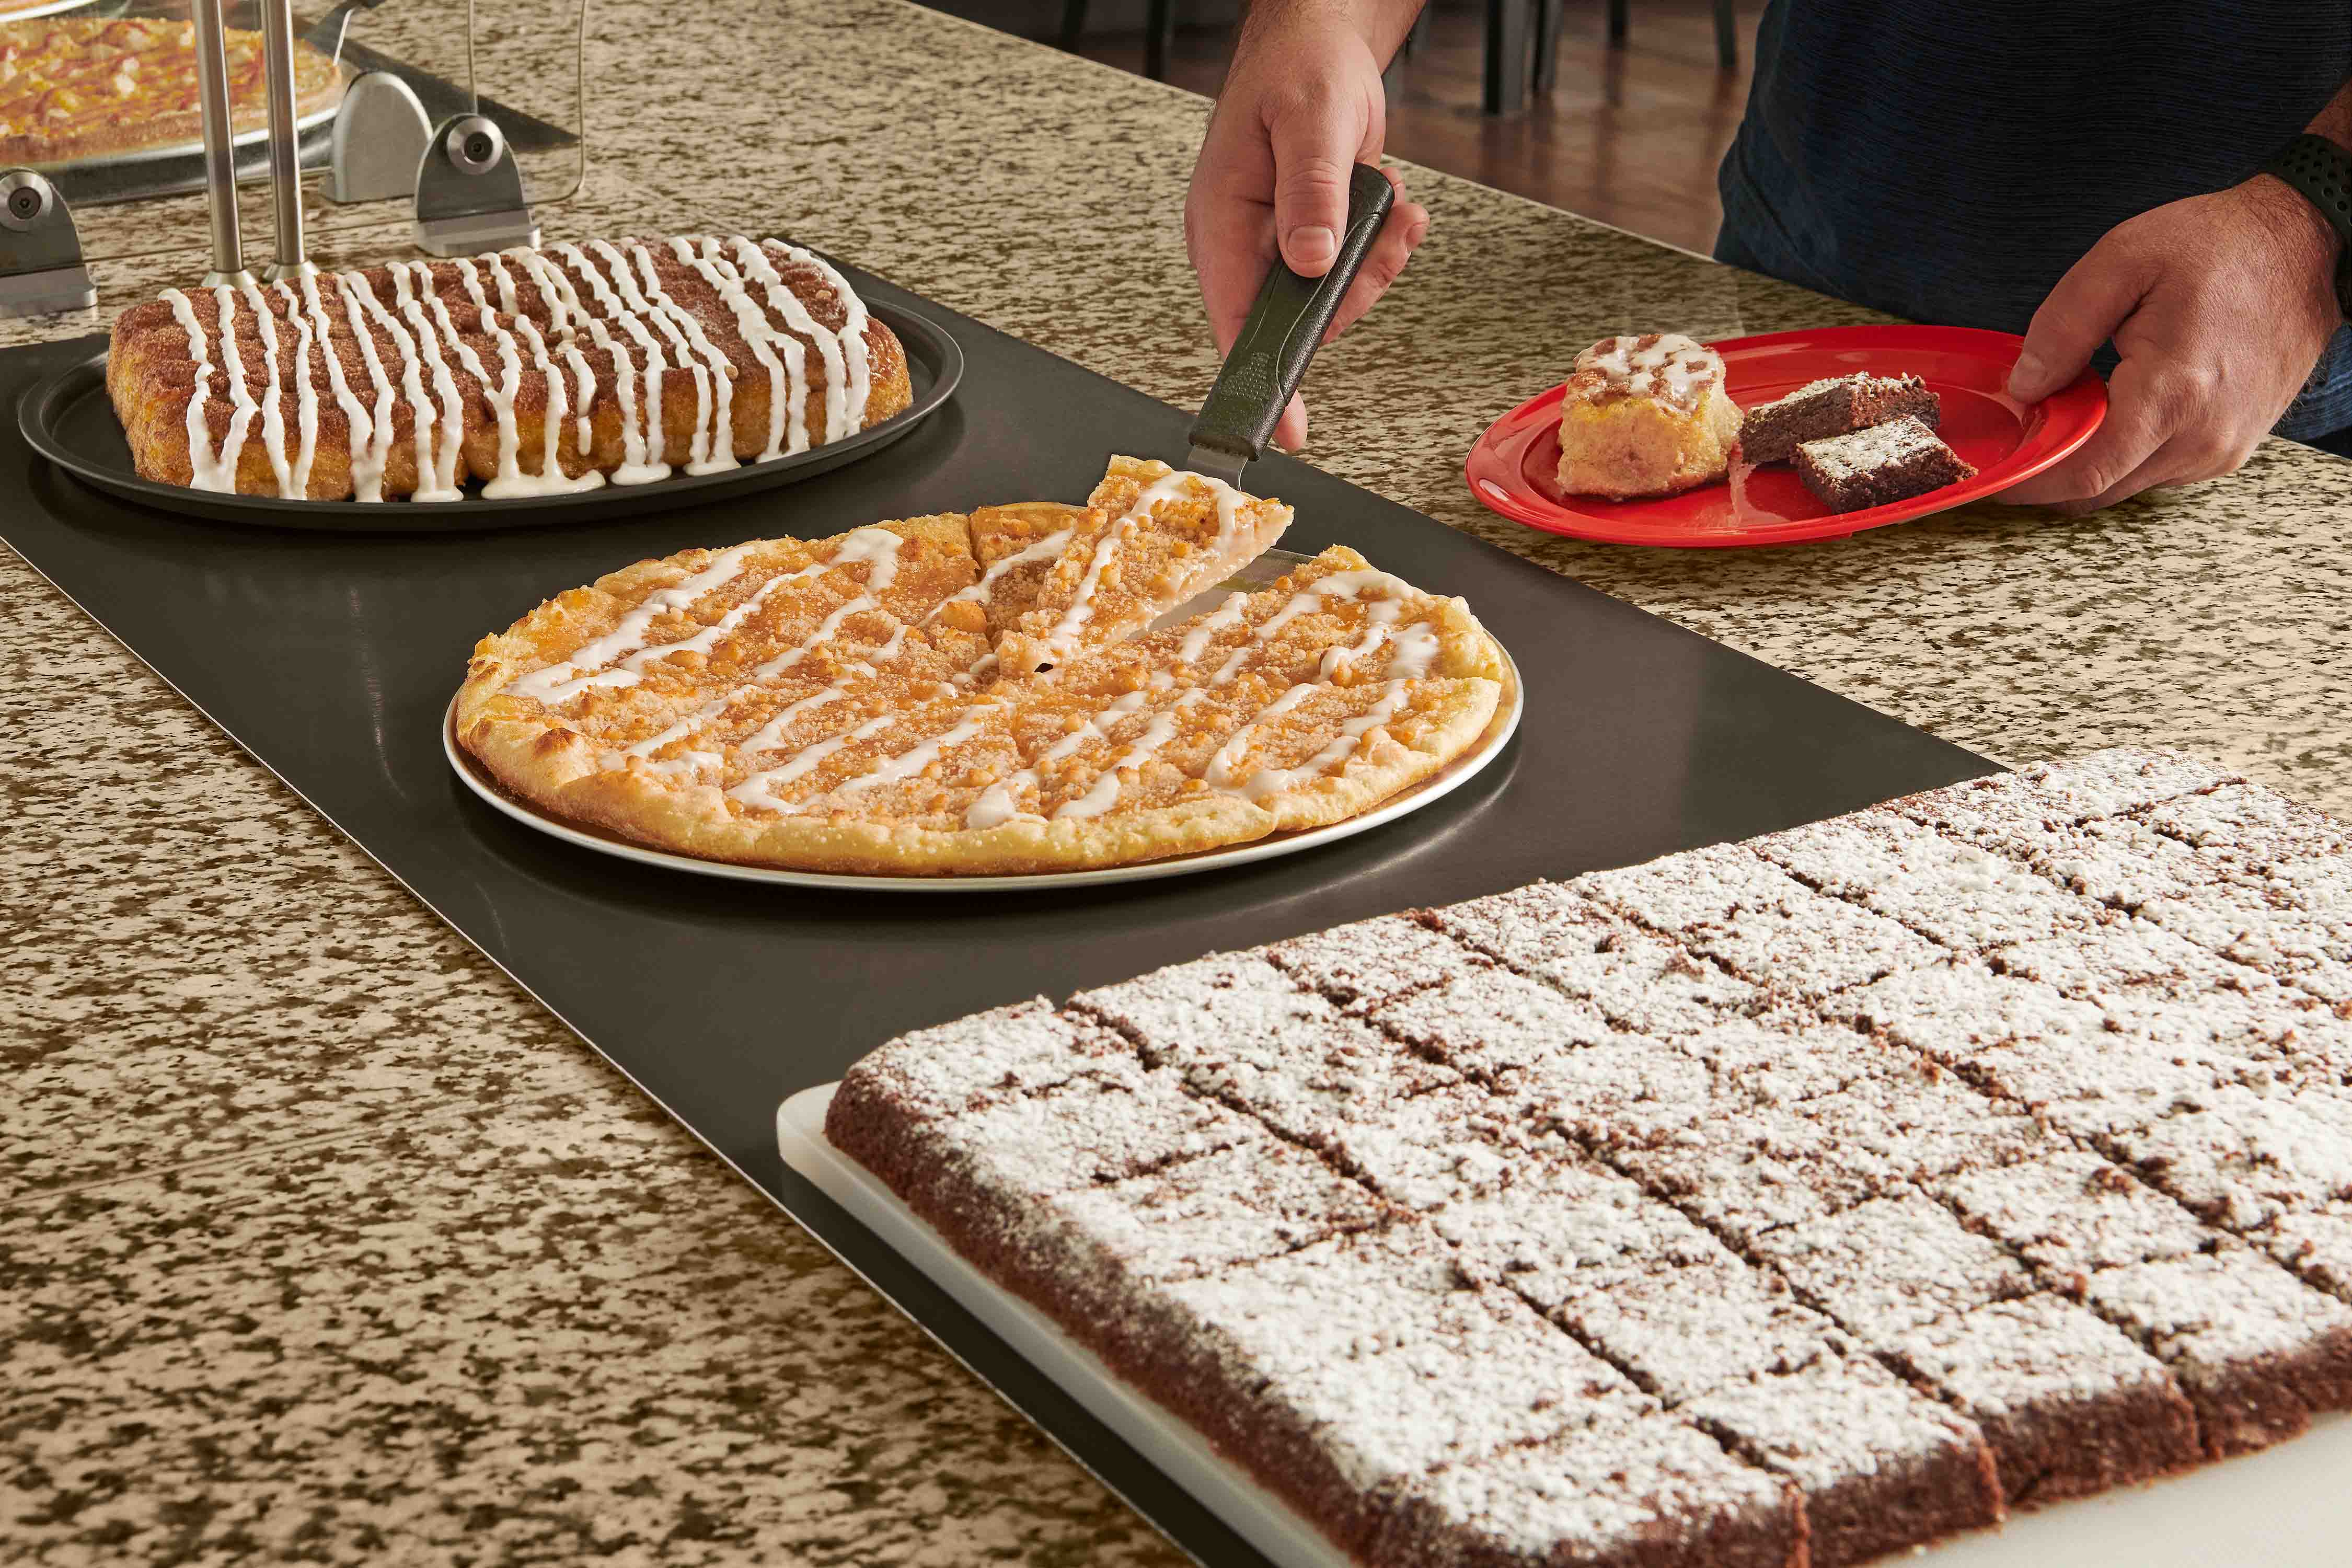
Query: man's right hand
[{"x": 1301, "y": 106}]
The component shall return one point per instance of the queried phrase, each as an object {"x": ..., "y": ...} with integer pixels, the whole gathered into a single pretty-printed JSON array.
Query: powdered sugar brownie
[
  {"x": 1967, "y": 898},
  {"x": 2256, "y": 1350},
  {"x": 1324, "y": 1201},
  {"x": 1892, "y": 1264},
  {"x": 2073, "y": 1212},
  {"x": 1638, "y": 981},
  {"x": 1614, "y": 1495},
  {"x": 1684, "y": 1331},
  {"x": 1761, "y": 923},
  {"x": 1361, "y": 967},
  {"x": 2067, "y": 1402},
  {"x": 1882, "y": 1467}
]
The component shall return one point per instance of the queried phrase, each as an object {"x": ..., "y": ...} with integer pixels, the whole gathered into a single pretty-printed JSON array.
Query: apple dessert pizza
[{"x": 963, "y": 694}]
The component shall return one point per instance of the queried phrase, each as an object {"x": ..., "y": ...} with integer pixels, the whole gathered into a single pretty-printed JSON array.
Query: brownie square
[
  {"x": 1733, "y": 906},
  {"x": 1341, "y": 1373},
  {"x": 1772, "y": 432},
  {"x": 1197, "y": 1216},
  {"x": 1493, "y": 1022},
  {"x": 1879, "y": 466},
  {"x": 2241, "y": 1159},
  {"x": 1361, "y": 967},
  {"x": 979, "y": 1061},
  {"x": 1988, "y": 811},
  {"x": 2318, "y": 1247},
  {"x": 1624, "y": 1494},
  {"x": 2071, "y": 1213},
  {"x": 2256, "y": 1350},
  {"x": 1684, "y": 1332},
  {"x": 1241, "y": 1031},
  {"x": 1882, "y": 1467},
  {"x": 1638, "y": 981},
  {"x": 1892, "y": 1264},
  {"x": 1558, "y": 1226},
  {"x": 2090, "y": 1087},
  {"x": 1963, "y": 896},
  {"x": 2251, "y": 826},
  {"x": 2068, "y": 1403},
  {"x": 1430, "y": 1151},
  {"x": 1739, "y": 1172},
  {"x": 1881, "y": 1132},
  {"x": 1781, "y": 1058}
]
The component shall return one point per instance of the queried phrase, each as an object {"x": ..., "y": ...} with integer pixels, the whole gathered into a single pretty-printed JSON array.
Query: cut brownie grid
[{"x": 1760, "y": 1130}]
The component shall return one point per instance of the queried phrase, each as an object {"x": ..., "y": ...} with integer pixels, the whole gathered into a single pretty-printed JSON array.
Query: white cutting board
[{"x": 2288, "y": 1507}]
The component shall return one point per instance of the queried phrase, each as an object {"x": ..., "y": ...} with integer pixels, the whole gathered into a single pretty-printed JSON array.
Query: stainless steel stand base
[
  {"x": 380, "y": 138},
  {"x": 41, "y": 269},
  {"x": 469, "y": 191},
  {"x": 48, "y": 292}
]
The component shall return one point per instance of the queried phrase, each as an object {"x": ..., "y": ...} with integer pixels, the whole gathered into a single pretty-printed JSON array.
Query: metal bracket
[
  {"x": 41, "y": 269},
  {"x": 380, "y": 140},
  {"x": 469, "y": 191}
]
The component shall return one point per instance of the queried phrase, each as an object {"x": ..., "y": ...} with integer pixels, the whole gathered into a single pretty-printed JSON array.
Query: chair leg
[
  {"x": 1726, "y": 36},
  {"x": 1618, "y": 11},
  {"x": 1506, "y": 55},
  {"x": 1074, "y": 22},
  {"x": 1158, "y": 38},
  {"x": 1549, "y": 16}
]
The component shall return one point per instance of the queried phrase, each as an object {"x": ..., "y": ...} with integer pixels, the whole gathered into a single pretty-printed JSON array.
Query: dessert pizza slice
[
  {"x": 1150, "y": 539},
  {"x": 651, "y": 679}
]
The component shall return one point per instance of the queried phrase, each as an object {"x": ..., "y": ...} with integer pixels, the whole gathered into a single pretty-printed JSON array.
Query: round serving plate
[
  {"x": 194, "y": 148},
  {"x": 1431, "y": 790},
  {"x": 40, "y": 8},
  {"x": 1514, "y": 468},
  {"x": 69, "y": 419}
]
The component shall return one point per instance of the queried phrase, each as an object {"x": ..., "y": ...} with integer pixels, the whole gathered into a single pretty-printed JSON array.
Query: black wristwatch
[{"x": 2322, "y": 172}]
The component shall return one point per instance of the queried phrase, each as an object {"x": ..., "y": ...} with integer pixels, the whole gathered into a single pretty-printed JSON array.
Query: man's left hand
[{"x": 2218, "y": 306}]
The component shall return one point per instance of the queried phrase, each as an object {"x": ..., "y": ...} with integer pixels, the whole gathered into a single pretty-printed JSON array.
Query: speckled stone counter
[{"x": 319, "y": 1242}]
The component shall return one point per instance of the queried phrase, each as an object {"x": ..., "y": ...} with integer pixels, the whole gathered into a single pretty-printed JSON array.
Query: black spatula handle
[{"x": 1285, "y": 327}]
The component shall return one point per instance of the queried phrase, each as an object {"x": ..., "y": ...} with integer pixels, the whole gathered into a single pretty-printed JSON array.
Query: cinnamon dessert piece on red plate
[{"x": 1877, "y": 467}]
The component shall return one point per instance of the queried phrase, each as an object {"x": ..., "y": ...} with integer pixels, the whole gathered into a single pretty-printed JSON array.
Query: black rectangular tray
[{"x": 330, "y": 658}]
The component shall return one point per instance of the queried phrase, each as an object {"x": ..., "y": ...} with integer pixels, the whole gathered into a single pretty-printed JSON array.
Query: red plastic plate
[{"x": 1514, "y": 466}]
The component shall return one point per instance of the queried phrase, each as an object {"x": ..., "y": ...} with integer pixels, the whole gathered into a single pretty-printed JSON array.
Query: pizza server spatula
[{"x": 1285, "y": 326}]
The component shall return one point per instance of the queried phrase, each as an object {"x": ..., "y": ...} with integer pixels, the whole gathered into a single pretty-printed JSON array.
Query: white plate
[
  {"x": 2288, "y": 1507},
  {"x": 1265, "y": 569},
  {"x": 46, "y": 8}
]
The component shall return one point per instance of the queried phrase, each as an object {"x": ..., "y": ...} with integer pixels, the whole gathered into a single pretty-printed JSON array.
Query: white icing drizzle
[
  {"x": 647, "y": 454},
  {"x": 552, "y": 479},
  {"x": 412, "y": 384},
  {"x": 1383, "y": 616},
  {"x": 367, "y": 484},
  {"x": 786, "y": 386},
  {"x": 1415, "y": 651},
  {"x": 753, "y": 261},
  {"x": 1104, "y": 793},
  {"x": 852, "y": 338},
  {"x": 1196, "y": 641},
  {"x": 203, "y": 459},
  {"x": 1044, "y": 549},
  {"x": 1219, "y": 775},
  {"x": 760, "y": 787},
  {"x": 240, "y": 398},
  {"x": 718, "y": 436},
  {"x": 621, "y": 657},
  {"x": 450, "y": 443},
  {"x": 646, "y": 307},
  {"x": 1335, "y": 756},
  {"x": 294, "y": 472}
]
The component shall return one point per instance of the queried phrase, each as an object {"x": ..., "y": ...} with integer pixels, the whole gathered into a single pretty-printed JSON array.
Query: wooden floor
[{"x": 1630, "y": 136}]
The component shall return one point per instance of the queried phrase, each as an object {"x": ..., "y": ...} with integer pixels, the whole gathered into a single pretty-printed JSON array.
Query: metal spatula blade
[{"x": 1285, "y": 326}]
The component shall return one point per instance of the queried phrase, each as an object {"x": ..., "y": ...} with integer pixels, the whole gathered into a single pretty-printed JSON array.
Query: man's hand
[
  {"x": 1301, "y": 106},
  {"x": 2218, "y": 306}
]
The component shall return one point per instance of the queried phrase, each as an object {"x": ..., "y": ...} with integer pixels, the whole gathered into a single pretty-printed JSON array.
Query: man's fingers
[
  {"x": 1290, "y": 430},
  {"x": 1314, "y": 152},
  {"x": 1408, "y": 223},
  {"x": 2141, "y": 417},
  {"x": 2081, "y": 313}
]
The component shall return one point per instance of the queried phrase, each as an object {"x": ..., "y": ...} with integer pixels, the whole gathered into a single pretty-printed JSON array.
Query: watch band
[{"x": 2321, "y": 172}]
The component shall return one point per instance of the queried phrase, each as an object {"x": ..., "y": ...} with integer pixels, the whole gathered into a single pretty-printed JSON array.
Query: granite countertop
[{"x": 321, "y": 1242}]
